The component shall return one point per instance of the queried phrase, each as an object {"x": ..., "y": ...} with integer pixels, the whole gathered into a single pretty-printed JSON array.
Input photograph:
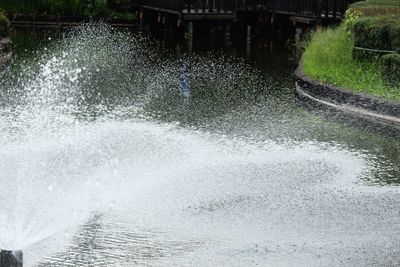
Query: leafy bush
[
  {"x": 390, "y": 69},
  {"x": 352, "y": 15},
  {"x": 121, "y": 15},
  {"x": 89, "y": 8},
  {"x": 376, "y": 3},
  {"x": 119, "y": 5},
  {"x": 5, "y": 27},
  {"x": 372, "y": 8},
  {"x": 95, "y": 8},
  {"x": 380, "y": 33},
  {"x": 373, "y": 24},
  {"x": 395, "y": 33},
  {"x": 43, "y": 7}
]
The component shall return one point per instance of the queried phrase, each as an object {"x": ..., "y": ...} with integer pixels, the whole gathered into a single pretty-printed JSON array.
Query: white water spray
[{"x": 78, "y": 137}]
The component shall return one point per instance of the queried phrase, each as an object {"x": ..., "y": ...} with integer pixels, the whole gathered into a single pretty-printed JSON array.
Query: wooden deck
[{"x": 231, "y": 9}]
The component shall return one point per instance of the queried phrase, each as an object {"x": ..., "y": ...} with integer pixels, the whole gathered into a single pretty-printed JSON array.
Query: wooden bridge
[{"x": 231, "y": 9}]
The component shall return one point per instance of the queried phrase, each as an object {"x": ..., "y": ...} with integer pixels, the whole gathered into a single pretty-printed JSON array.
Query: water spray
[{"x": 11, "y": 258}]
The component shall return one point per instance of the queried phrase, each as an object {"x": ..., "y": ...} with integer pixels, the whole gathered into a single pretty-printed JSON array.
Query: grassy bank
[
  {"x": 328, "y": 58},
  {"x": 329, "y": 55}
]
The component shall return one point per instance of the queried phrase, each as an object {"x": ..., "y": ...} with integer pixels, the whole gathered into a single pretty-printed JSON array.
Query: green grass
[{"x": 328, "y": 58}]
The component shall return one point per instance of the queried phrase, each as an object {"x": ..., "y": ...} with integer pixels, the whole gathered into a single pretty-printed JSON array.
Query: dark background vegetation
[
  {"x": 5, "y": 28},
  {"x": 75, "y": 8}
]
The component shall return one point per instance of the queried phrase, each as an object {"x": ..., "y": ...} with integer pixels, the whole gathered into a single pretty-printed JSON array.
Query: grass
[{"x": 328, "y": 58}]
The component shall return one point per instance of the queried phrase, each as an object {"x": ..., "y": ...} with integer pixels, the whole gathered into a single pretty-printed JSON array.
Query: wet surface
[{"x": 112, "y": 166}]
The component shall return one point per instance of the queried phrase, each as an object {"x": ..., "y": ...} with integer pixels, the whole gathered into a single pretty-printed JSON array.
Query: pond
[{"x": 119, "y": 150}]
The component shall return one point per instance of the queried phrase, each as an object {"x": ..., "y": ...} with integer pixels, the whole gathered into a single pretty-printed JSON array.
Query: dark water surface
[{"x": 114, "y": 166}]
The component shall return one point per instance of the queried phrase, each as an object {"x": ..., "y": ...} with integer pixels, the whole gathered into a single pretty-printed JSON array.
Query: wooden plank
[
  {"x": 208, "y": 16},
  {"x": 303, "y": 20},
  {"x": 169, "y": 11}
]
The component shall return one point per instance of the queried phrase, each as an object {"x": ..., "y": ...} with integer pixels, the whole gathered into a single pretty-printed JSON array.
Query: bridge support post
[
  {"x": 190, "y": 30},
  {"x": 319, "y": 25},
  {"x": 141, "y": 18},
  {"x": 228, "y": 31},
  {"x": 164, "y": 27},
  {"x": 189, "y": 36},
  {"x": 190, "y": 46},
  {"x": 248, "y": 41},
  {"x": 248, "y": 35},
  {"x": 298, "y": 39},
  {"x": 228, "y": 35},
  {"x": 299, "y": 32}
]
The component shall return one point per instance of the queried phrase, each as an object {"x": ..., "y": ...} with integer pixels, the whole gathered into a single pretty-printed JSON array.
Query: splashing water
[{"x": 81, "y": 134}]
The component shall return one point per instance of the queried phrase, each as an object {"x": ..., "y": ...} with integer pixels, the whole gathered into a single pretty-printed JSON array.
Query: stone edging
[{"x": 360, "y": 104}]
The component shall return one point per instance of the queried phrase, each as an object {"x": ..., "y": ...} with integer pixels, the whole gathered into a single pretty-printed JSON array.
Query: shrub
[
  {"x": 119, "y": 5},
  {"x": 376, "y": 6},
  {"x": 380, "y": 33},
  {"x": 395, "y": 36},
  {"x": 390, "y": 69},
  {"x": 97, "y": 8},
  {"x": 5, "y": 27},
  {"x": 371, "y": 8},
  {"x": 352, "y": 16}
]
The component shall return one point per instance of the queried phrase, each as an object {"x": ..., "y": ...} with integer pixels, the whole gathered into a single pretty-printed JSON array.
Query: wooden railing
[
  {"x": 307, "y": 8},
  {"x": 173, "y": 5},
  {"x": 211, "y": 6},
  {"x": 190, "y": 5},
  {"x": 310, "y": 8}
]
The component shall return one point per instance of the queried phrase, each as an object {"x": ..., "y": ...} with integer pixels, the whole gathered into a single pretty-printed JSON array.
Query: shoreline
[{"x": 346, "y": 101}]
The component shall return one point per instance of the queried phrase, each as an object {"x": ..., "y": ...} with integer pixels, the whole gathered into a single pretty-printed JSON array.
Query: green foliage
[
  {"x": 119, "y": 5},
  {"x": 375, "y": 25},
  {"x": 87, "y": 8},
  {"x": 43, "y": 7},
  {"x": 96, "y": 8},
  {"x": 395, "y": 32},
  {"x": 376, "y": 3},
  {"x": 5, "y": 27},
  {"x": 328, "y": 58},
  {"x": 390, "y": 68},
  {"x": 377, "y": 7},
  {"x": 331, "y": 55},
  {"x": 121, "y": 15},
  {"x": 352, "y": 15},
  {"x": 381, "y": 33}
]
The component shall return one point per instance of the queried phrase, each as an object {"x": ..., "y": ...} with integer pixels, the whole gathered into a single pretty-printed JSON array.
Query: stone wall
[{"x": 347, "y": 101}]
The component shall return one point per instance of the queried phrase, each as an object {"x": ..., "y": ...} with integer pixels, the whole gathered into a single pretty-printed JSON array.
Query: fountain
[
  {"x": 50, "y": 108},
  {"x": 100, "y": 165}
]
